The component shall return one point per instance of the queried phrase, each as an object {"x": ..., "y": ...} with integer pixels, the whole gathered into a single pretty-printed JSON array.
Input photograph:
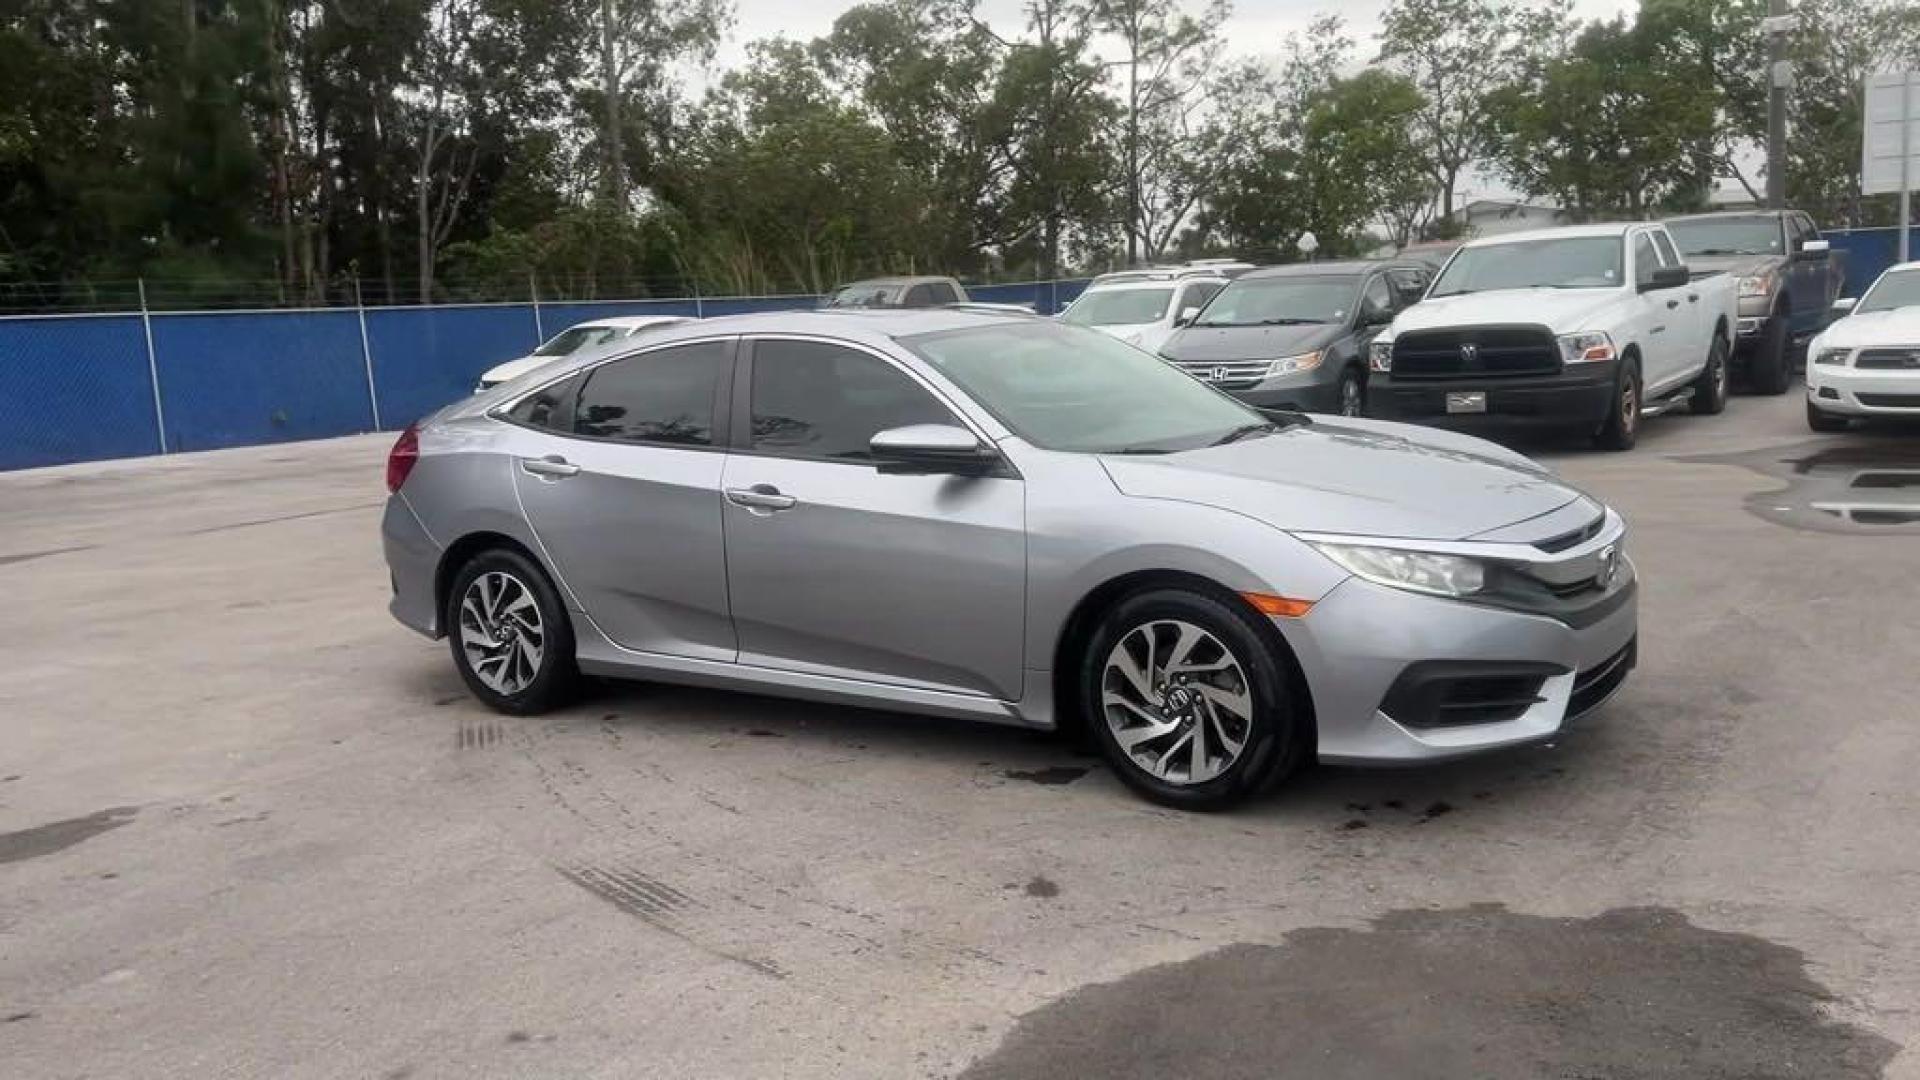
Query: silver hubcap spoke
[
  {"x": 1177, "y": 701},
  {"x": 501, "y": 633}
]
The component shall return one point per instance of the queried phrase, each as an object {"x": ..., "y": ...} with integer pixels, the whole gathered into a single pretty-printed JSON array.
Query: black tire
[
  {"x": 1622, "y": 427},
  {"x": 556, "y": 678},
  {"x": 1710, "y": 389},
  {"x": 1273, "y": 739},
  {"x": 1768, "y": 371},
  {"x": 1824, "y": 422},
  {"x": 1352, "y": 399}
]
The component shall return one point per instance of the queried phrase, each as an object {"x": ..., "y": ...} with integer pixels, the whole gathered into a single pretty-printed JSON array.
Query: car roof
[
  {"x": 1341, "y": 268},
  {"x": 1606, "y": 228},
  {"x": 895, "y": 280},
  {"x": 1135, "y": 284},
  {"x": 1710, "y": 215},
  {"x": 630, "y": 322}
]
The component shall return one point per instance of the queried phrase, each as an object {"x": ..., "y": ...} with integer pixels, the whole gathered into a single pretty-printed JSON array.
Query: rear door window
[
  {"x": 665, "y": 396},
  {"x": 814, "y": 400},
  {"x": 944, "y": 293},
  {"x": 918, "y": 296}
]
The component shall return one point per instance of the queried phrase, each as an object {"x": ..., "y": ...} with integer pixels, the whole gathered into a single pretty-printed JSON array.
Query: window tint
[
  {"x": 664, "y": 396},
  {"x": 1668, "y": 255},
  {"x": 550, "y": 408},
  {"x": 823, "y": 401},
  {"x": 1377, "y": 296},
  {"x": 1645, "y": 260}
]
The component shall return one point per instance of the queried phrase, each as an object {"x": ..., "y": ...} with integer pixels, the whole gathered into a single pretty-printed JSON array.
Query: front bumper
[
  {"x": 1308, "y": 392},
  {"x": 1847, "y": 391},
  {"x": 413, "y": 558},
  {"x": 1580, "y": 399},
  {"x": 1359, "y": 641}
]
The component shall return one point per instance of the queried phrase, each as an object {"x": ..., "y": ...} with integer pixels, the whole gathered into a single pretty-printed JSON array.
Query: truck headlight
[
  {"x": 1380, "y": 356},
  {"x": 1415, "y": 571},
  {"x": 1294, "y": 365},
  {"x": 1759, "y": 285},
  {"x": 1585, "y": 348},
  {"x": 1832, "y": 357}
]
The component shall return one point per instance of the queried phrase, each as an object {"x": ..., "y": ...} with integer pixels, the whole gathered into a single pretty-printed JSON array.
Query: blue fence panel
[
  {"x": 557, "y": 317},
  {"x": 74, "y": 389},
  {"x": 1869, "y": 253},
  {"x": 239, "y": 379},
  {"x": 424, "y": 358}
]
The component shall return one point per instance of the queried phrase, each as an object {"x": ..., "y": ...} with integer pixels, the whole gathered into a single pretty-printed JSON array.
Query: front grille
[
  {"x": 1890, "y": 401},
  {"x": 1593, "y": 685},
  {"x": 1470, "y": 352},
  {"x": 1889, "y": 359},
  {"x": 1556, "y": 544},
  {"x": 1226, "y": 374}
]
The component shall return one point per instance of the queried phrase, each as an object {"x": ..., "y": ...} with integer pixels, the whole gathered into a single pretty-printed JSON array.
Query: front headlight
[
  {"x": 1416, "y": 571},
  {"x": 1585, "y": 348},
  {"x": 1294, "y": 365},
  {"x": 1380, "y": 356},
  {"x": 1759, "y": 285},
  {"x": 1832, "y": 357}
]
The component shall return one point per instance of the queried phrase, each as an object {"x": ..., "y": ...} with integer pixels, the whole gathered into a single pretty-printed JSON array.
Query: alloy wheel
[
  {"x": 1177, "y": 701},
  {"x": 501, "y": 632},
  {"x": 1629, "y": 404}
]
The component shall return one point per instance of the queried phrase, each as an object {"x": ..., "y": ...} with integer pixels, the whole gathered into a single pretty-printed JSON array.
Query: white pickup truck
[{"x": 1587, "y": 328}]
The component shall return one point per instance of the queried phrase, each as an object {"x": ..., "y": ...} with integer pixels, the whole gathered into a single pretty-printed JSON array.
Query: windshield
[
  {"x": 1566, "y": 262},
  {"x": 860, "y": 296},
  {"x": 1068, "y": 388},
  {"x": 1727, "y": 236},
  {"x": 579, "y": 337},
  {"x": 1118, "y": 307},
  {"x": 1895, "y": 289},
  {"x": 1281, "y": 301}
]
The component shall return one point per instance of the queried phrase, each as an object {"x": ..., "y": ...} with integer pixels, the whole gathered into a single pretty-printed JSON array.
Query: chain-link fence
[{"x": 77, "y": 387}]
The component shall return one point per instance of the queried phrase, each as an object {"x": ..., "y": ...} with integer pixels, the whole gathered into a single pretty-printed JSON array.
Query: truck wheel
[
  {"x": 1710, "y": 389},
  {"x": 1622, "y": 427},
  {"x": 1767, "y": 371},
  {"x": 1822, "y": 421}
]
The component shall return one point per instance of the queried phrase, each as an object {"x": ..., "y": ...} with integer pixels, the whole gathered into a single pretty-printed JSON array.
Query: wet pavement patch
[
  {"x": 1867, "y": 486},
  {"x": 1055, "y": 774},
  {"x": 1632, "y": 994},
  {"x": 1043, "y": 888},
  {"x": 60, "y": 835}
]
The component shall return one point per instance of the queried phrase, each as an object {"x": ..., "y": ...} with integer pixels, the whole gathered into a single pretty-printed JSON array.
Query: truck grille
[
  {"x": 1889, "y": 359},
  {"x": 1226, "y": 374},
  {"x": 1475, "y": 352}
]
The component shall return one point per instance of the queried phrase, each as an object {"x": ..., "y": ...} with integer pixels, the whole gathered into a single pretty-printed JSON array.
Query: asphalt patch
[
  {"x": 1044, "y": 888},
  {"x": 1484, "y": 992},
  {"x": 60, "y": 835},
  {"x": 1866, "y": 485}
]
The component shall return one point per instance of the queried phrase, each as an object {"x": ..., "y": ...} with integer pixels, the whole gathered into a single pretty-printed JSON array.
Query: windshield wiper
[
  {"x": 1245, "y": 431},
  {"x": 1289, "y": 320},
  {"x": 1722, "y": 251},
  {"x": 1455, "y": 292}
]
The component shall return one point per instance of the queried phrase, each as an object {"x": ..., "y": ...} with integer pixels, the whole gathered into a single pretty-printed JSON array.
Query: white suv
[{"x": 1144, "y": 311}]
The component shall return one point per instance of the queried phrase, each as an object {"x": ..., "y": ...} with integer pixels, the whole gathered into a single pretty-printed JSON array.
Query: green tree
[{"x": 1836, "y": 45}]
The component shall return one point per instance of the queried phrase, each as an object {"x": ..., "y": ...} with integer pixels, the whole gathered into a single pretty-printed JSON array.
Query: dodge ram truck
[
  {"x": 1587, "y": 329},
  {"x": 1788, "y": 276}
]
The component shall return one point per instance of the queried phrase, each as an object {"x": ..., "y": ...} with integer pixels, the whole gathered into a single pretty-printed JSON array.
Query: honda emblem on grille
[
  {"x": 1218, "y": 374},
  {"x": 1469, "y": 352},
  {"x": 1608, "y": 564}
]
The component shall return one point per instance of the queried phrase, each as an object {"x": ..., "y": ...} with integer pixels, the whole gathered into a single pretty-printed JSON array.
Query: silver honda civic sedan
[{"x": 1007, "y": 519}]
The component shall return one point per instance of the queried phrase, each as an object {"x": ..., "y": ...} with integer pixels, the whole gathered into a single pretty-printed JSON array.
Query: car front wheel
[
  {"x": 510, "y": 635},
  {"x": 1189, "y": 700}
]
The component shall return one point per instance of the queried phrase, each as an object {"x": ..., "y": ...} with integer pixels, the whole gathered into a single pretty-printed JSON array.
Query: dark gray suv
[{"x": 1295, "y": 337}]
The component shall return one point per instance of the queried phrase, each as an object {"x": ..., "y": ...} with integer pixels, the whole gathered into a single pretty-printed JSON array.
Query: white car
[
  {"x": 1585, "y": 329},
  {"x": 572, "y": 340},
  {"x": 1143, "y": 312},
  {"x": 1868, "y": 362}
]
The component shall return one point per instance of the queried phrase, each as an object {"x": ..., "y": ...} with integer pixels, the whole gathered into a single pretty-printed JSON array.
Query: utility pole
[{"x": 1776, "y": 25}]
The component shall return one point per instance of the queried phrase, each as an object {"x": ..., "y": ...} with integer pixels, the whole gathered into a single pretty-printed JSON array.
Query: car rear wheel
[
  {"x": 1710, "y": 389},
  {"x": 1622, "y": 427},
  {"x": 1189, "y": 700},
  {"x": 1822, "y": 421},
  {"x": 509, "y": 633}
]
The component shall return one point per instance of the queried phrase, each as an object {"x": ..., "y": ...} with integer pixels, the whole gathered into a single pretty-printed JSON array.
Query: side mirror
[
  {"x": 1844, "y": 306},
  {"x": 1667, "y": 277},
  {"x": 1813, "y": 250},
  {"x": 931, "y": 448},
  {"x": 1187, "y": 315}
]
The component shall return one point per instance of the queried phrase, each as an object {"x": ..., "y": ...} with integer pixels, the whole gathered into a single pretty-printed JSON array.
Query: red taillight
[{"x": 406, "y": 451}]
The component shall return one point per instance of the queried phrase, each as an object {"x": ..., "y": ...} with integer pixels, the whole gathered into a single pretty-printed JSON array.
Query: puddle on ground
[
  {"x": 1472, "y": 992},
  {"x": 1862, "y": 487}
]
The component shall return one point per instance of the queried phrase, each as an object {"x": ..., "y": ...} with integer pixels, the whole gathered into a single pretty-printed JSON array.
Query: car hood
[
  {"x": 1224, "y": 343},
  {"x": 1561, "y": 310},
  {"x": 1737, "y": 265},
  {"x": 1897, "y": 326},
  {"x": 1356, "y": 477}
]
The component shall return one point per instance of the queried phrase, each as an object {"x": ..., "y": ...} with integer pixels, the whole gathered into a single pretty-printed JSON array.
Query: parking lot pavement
[{"x": 249, "y": 826}]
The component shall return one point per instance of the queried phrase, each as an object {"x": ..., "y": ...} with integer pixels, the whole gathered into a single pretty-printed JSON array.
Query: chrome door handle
[
  {"x": 761, "y": 498},
  {"x": 551, "y": 465}
]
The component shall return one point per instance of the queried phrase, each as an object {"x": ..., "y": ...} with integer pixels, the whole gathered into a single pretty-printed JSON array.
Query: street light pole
[{"x": 1776, "y": 28}]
